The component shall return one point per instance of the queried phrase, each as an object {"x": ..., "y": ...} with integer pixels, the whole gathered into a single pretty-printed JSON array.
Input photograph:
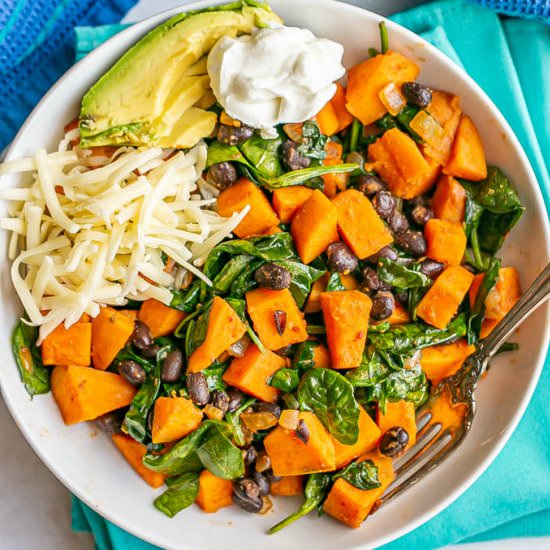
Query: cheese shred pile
[{"x": 88, "y": 229}]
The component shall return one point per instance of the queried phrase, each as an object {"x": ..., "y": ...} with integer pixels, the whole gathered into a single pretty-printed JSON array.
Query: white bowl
[{"x": 90, "y": 466}]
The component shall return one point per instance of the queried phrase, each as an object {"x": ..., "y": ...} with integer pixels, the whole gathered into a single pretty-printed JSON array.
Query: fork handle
[{"x": 532, "y": 298}]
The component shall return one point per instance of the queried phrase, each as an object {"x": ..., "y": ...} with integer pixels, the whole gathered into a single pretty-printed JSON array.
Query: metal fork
[{"x": 444, "y": 421}]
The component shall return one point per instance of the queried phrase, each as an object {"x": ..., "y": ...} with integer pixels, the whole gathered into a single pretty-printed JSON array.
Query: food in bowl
[{"x": 292, "y": 357}]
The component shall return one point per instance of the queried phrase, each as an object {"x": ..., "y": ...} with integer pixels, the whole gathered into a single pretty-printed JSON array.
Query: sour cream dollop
[{"x": 276, "y": 75}]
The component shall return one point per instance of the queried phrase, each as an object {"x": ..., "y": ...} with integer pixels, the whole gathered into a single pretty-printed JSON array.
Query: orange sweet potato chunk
[
  {"x": 288, "y": 486},
  {"x": 398, "y": 413},
  {"x": 288, "y": 200},
  {"x": 313, "y": 227},
  {"x": 224, "y": 329},
  {"x": 334, "y": 116},
  {"x": 366, "y": 80},
  {"x": 111, "y": 329},
  {"x": 467, "y": 159},
  {"x": 441, "y": 302},
  {"x": 161, "y": 320},
  {"x": 134, "y": 452},
  {"x": 174, "y": 418},
  {"x": 83, "y": 393},
  {"x": 440, "y": 362},
  {"x": 346, "y": 315},
  {"x": 251, "y": 373},
  {"x": 68, "y": 346},
  {"x": 446, "y": 241},
  {"x": 321, "y": 357},
  {"x": 290, "y": 456},
  {"x": 399, "y": 315},
  {"x": 369, "y": 434},
  {"x": 313, "y": 304},
  {"x": 334, "y": 182},
  {"x": 351, "y": 505},
  {"x": 262, "y": 305},
  {"x": 214, "y": 492},
  {"x": 449, "y": 200},
  {"x": 401, "y": 164},
  {"x": 360, "y": 226},
  {"x": 261, "y": 216}
]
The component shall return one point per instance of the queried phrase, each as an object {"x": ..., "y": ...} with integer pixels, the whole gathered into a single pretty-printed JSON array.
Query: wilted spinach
[
  {"x": 285, "y": 379},
  {"x": 34, "y": 375},
  {"x": 330, "y": 396},
  {"x": 196, "y": 330},
  {"x": 313, "y": 142},
  {"x": 363, "y": 475},
  {"x": 334, "y": 282},
  {"x": 214, "y": 375},
  {"x": 219, "y": 456},
  {"x": 304, "y": 356},
  {"x": 401, "y": 276},
  {"x": 303, "y": 276},
  {"x": 135, "y": 420},
  {"x": 263, "y": 154},
  {"x": 401, "y": 121},
  {"x": 188, "y": 298},
  {"x": 231, "y": 271},
  {"x": 234, "y": 421},
  {"x": 182, "y": 492}
]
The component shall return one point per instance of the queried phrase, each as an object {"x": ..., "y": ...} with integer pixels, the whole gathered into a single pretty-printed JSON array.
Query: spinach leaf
[
  {"x": 263, "y": 154},
  {"x": 304, "y": 357},
  {"x": 219, "y": 456},
  {"x": 315, "y": 491},
  {"x": 214, "y": 375},
  {"x": 355, "y": 135},
  {"x": 285, "y": 379},
  {"x": 370, "y": 372},
  {"x": 230, "y": 272},
  {"x": 181, "y": 494},
  {"x": 477, "y": 312},
  {"x": 188, "y": 298},
  {"x": 127, "y": 353},
  {"x": 401, "y": 276},
  {"x": 196, "y": 330},
  {"x": 221, "y": 152},
  {"x": 303, "y": 276},
  {"x": 493, "y": 228},
  {"x": 135, "y": 420},
  {"x": 234, "y": 421},
  {"x": 330, "y": 396},
  {"x": 334, "y": 282},
  {"x": 497, "y": 194},
  {"x": 34, "y": 375},
  {"x": 401, "y": 121},
  {"x": 245, "y": 281},
  {"x": 313, "y": 141},
  {"x": 363, "y": 475}
]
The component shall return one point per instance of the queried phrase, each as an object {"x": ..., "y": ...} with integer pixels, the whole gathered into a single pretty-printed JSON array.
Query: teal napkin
[{"x": 509, "y": 59}]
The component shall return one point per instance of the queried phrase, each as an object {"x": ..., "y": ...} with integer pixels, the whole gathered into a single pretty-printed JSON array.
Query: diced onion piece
[
  {"x": 428, "y": 129},
  {"x": 392, "y": 98},
  {"x": 289, "y": 419}
]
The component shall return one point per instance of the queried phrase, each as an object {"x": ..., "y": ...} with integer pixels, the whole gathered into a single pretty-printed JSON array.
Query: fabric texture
[{"x": 539, "y": 9}]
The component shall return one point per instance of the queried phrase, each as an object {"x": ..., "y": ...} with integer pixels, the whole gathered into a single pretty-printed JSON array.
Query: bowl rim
[{"x": 138, "y": 29}]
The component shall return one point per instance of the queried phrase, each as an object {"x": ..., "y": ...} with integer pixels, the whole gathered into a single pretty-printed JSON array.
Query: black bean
[
  {"x": 151, "y": 351},
  {"x": 371, "y": 280},
  {"x": 384, "y": 204},
  {"x": 279, "y": 316},
  {"x": 386, "y": 252},
  {"x": 421, "y": 214},
  {"x": 197, "y": 386},
  {"x": 236, "y": 398},
  {"x": 416, "y": 94},
  {"x": 370, "y": 185},
  {"x": 263, "y": 483},
  {"x": 220, "y": 400},
  {"x": 272, "y": 408},
  {"x": 286, "y": 351},
  {"x": 250, "y": 455},
  {"x": 222, "y": 175},
  {"x": 340, "y": 258},
  {"x": 394, "y": 441},
  {"x": 132, "y": 371},
  {"x": 272, "y": 276},
  {"x": 232, "y": 135},
  {"x": 383, "y": 303},
  {"x": 412, "y": 242},
  {"x": 292, "y": 158},
  {"x": 431, "y": 268},
  {"x": 141, "y": 337},
  {"x": 172, "y": 366},
  {"x": 263, "y": 462},
  {"x": 247, "y": 494},
  {"x": 109, "y": 423},
  {"x": 239, "y": 348},
  {"x": 398, "y": 222},
  {"x": 302, "y": 431}
]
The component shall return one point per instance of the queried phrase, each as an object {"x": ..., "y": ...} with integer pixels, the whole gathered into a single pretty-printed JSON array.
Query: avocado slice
[{"x": 153, "y": 93}]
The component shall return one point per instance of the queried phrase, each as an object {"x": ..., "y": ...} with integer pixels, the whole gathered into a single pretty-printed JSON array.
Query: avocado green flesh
[{"x": 143, "y": 98}]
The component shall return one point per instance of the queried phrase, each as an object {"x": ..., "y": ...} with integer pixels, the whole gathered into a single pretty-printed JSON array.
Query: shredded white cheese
[{"x": 93, "y": 229}]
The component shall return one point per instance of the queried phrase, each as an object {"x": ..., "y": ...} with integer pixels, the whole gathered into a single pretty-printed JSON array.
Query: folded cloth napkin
[{"x": 539, "y": 9}]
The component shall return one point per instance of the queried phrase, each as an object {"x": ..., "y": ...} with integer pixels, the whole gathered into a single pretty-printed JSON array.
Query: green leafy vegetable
[
  {"x": 234, "y": 421},
  {"x": 188, "y": 298},
  {"x": 285, "y": 380},
  {"x": 181, "y": 494},
  {"x": 334, "y": 282},
  {"x": 214, "y": 375},
  {"x": 34, "y": 375},
  {"x": 313, "y": 141},
  {"x": 384, "y": 40},
  {"x": 303, "y": 276},
  {"x": 401, "y": 276},
  {"x": 219, "y": 456},
  {"x": 355, "y": 135},
  {"x": 196, "y": 330},
  {"x": 231, "y": 271},
  {"x": 330, "y": 396},
  {"x": 497, "y": 194},
  {"x": 263, "y": 154},
  {"x": 304, "y": 357},
  {"x": 135, "y": 420},
  {"x": 363, "y": 475}
]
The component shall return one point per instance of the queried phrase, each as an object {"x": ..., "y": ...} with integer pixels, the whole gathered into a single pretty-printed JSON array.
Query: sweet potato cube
[
  {"x": 346, "y": 315},
  {"x": 321, "y": 357},
  {"x": 313, "y": 227},
  {"x": 224, "y": 329},
  {"x": 351, "y": 505},
  {"x": 313, "y": 303},
  {"x": 360, "y": 226},
  {"x": 398, "y": 414},
  {"x": 334, "y": 116},
  {"x": 214, "y": 492},
  {"x": 130, "y": 313},
  {"x": 133, "y": 452},
  {"x": 288, "y": 486},
  {"x": 251, "y": 373},
  {"x": 288, "y": 200},
  {"x": 467, "y": 159},
  {"x": 290, "y": 456},
  {"x": 440, "y": 362},
  {"x": 68, "y": 346},
  {"x": 174, "y": 418},
  {"x": 161, "y": 320},
  {"x": 366, "y": 80},
  {"x": 446, "y": 241},
  {"x": 399, "y": 315},
  {"x": 261, "y": 216},
  {"x": 334, "y": 182},
  {"x": 449, "y": 200},
  {"x": 369, "y": 434},
  {"x": 276, "y": 318},
  {"x": 83, "y": 393},
  {"x": 327, "y": 120},
  {"x": 401, "y": 164},
  {"x": 111, "y": 329},
  {"x": 441, "y": 302}
]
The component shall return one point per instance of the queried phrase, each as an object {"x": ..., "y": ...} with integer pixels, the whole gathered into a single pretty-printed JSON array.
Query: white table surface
[{"x": 35, "y": 506}]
